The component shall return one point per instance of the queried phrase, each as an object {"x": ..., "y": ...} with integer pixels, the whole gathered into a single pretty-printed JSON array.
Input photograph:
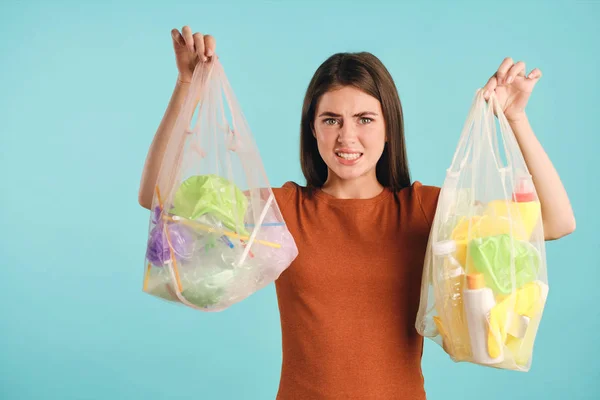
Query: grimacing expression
[{"x": 350, "y": 132}]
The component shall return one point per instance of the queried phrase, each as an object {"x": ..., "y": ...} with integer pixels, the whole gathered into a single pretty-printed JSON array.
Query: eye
[
  {"x": 365, "y": 120},
  {"x": 330, "y": 121}
]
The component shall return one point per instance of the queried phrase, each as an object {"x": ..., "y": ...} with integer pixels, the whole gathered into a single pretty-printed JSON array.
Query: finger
[
  {"x": 177, "y": 38},
  {"x": 535, "y": 74},
  {"x": 507, "y": 63},
  {"x": 516, "y": 70},
  {"x": 199, "y": 43},
  {"x": 210, "y": 45},
  {"x": 489, "y": 87},
  {"x": 189, "y": 39}
]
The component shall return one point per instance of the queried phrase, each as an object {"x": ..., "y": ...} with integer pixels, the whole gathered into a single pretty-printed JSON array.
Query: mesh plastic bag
[
  {"x": 216, "y": 234},
  {"x": 485, "y": 282}
]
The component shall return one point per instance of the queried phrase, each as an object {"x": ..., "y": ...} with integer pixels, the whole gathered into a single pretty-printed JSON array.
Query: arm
[
  {"x": 557, "y": 213},
  {"x": 513, "y": 89},
  {"x": 159, "y": 144},
  {"x": 189, "y": 50}
]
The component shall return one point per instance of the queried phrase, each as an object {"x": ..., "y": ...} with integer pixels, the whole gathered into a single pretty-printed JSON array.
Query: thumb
[{"x": 534, "y": 75}]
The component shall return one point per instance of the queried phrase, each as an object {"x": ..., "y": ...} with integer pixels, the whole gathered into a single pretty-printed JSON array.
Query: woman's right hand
[{"x": 191, "y": 49}]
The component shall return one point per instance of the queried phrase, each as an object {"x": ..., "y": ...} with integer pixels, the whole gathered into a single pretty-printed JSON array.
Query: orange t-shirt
[{"x": 349, "y": 301}]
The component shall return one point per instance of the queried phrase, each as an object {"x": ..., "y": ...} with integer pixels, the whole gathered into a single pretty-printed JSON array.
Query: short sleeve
[
  {"x": 284, "y": 194},
  {"x": 427, "y": 196}
]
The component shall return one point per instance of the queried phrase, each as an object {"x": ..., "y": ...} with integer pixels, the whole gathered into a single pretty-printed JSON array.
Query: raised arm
[
  {"x": 513, "y": 89},
  {"x": 189, "y": 50}
]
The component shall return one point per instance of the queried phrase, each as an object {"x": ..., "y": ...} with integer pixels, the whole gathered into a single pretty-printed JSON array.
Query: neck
[{"x": 364, "y": 187}]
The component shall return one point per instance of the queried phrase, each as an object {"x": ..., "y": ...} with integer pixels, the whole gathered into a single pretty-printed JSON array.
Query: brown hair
[{"x": 367, "y": 73}]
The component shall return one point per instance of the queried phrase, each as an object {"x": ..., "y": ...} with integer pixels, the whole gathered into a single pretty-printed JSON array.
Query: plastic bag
[
  {"x": 216, "y": 234},
  {"x": 485, "y": 283}
]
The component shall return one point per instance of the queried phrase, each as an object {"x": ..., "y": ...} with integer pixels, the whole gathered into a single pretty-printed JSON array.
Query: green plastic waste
[
  {"x": 211, "y": 289},
  {"x": 492, "y": 257},
  {"x": 203, "y": 298},
  {"x": 214, "y": 195}
]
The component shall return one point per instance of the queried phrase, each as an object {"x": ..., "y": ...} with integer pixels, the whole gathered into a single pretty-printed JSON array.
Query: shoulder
[
  {"x": 426, "y": 193},
  {"x": 287, "y": 190},
  {"x": 424, "y": 199},
  {"x": 287, "y": 193}
]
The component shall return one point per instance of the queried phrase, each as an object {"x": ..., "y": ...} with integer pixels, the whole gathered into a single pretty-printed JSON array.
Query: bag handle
[
  {"x": 465, "y": 142},
  {"x": 200, "y": 85},
  {"x": 478, "y": 114},
  {"x": 495, "y": 111}
]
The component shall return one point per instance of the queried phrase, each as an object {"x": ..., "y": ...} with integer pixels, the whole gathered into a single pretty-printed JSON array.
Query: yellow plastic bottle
[
  {"x": 450, "y": 278},
  {"x": 517, "y": 217}
]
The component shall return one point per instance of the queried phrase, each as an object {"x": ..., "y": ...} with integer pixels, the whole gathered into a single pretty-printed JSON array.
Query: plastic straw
[{"x": 207, "y": 228}]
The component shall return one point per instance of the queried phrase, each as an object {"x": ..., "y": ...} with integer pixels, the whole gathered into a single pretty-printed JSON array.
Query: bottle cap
[
  {"x": 517, "y": 324},
  {"x": 524, "y": 190},
  {"x": 444, "y": 247},
  {"x": 523, "y": 197},
  {"x": 475, "y": 281}
]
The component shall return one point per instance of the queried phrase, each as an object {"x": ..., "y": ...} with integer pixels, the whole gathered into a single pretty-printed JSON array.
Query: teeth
[{"x": 348, "y": 156}]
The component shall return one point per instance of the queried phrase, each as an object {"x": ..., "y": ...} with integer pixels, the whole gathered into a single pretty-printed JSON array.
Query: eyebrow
[{"x": 360, "y": 114}]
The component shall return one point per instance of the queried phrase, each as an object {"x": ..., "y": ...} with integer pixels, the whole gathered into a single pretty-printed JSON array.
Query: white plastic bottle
[{"x": 478, "y": 301}]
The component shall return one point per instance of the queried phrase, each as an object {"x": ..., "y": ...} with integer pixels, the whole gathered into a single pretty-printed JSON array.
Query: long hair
[{"x": 365, "y": 72}]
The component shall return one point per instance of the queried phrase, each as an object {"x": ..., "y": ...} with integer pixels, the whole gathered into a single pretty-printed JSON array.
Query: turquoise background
[{"x": 82, "y": 90}]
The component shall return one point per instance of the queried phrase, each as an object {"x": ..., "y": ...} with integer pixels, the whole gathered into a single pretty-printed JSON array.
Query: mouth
[{"x": 349, "y": 156}]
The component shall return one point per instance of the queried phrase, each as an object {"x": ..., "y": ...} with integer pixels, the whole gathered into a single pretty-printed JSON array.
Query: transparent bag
[
  {"x": 485, "y": 283},
  {"x": 216, "y": 233}
]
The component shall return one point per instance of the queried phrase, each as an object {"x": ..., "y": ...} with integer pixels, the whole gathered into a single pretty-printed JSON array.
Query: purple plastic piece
[
  {"x": 156, "y": 215},
  {"x": 158, "y": 251}
]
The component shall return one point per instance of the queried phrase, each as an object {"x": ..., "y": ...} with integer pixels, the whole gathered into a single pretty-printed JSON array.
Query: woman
[{"x": 348, "y": 302}]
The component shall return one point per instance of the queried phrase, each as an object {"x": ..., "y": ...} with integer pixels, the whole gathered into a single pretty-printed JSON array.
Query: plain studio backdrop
[{"x": 82, "y": 90}]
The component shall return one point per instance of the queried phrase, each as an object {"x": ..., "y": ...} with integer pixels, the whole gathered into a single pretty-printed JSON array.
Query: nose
[{"x": 347, "y": 135}]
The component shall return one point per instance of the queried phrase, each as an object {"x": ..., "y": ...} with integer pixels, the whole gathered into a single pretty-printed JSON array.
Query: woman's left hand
[{"x": 512, "y": 87}]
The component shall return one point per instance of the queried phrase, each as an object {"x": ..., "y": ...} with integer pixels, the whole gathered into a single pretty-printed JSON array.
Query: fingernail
[
  {"x": 209, "y": 52},
  {"x": 486, "y": 94},
  {"x": 509, "y": 80},
  {"x": 205, "y": 59}
]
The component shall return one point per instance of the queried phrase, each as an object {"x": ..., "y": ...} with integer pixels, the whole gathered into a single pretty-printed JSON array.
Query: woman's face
[{"x": 350, "y": 132}]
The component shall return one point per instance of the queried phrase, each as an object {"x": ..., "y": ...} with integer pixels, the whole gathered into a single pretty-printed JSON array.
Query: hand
[
  {"x": 191, "y": 49},
  {"x": 512, "y": 88}
]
